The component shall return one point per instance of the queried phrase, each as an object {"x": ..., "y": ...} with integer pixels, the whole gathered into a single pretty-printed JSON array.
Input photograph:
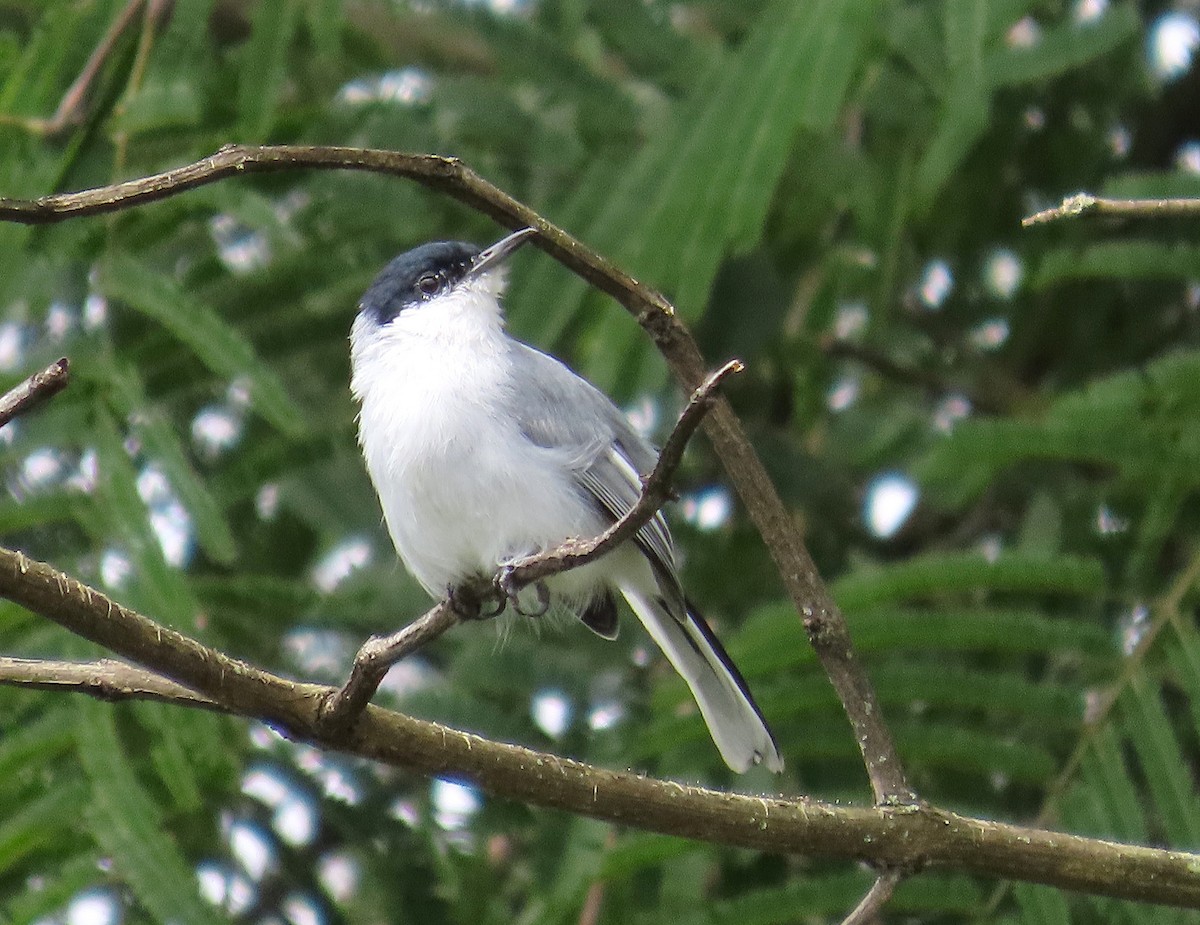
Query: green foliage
[
  {"x": 704, "y": 184},
  {"x": 126, "y": 822},
  {"x": 787, "y": 173}
]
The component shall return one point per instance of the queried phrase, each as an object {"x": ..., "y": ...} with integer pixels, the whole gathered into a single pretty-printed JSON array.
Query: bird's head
[{"x": 441, "y": 283}]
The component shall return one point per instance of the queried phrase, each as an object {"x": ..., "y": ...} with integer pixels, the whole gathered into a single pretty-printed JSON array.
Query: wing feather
[{"x": 559, "y": 410}]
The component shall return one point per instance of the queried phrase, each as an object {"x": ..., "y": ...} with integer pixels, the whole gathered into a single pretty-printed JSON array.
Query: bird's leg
[{"x": 505, "y": 585}]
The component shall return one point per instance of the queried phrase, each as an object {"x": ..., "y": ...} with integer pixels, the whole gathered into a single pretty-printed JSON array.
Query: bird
[{"x": 483, "y": 450}]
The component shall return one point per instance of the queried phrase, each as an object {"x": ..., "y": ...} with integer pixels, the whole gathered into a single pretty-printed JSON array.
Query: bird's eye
[{"x": 429, "y": 283}]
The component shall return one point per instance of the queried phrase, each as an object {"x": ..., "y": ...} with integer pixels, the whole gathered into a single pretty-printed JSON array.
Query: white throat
[{"x": 427, "y": 382}]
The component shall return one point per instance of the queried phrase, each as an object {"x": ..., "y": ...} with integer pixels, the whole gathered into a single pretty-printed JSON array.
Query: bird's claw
[
  {"x": 507, "y": 589},
  {"x": 543, "y": 599},
  {"x": 497, "y": 607},
  {"x": 469, "y": 603}
]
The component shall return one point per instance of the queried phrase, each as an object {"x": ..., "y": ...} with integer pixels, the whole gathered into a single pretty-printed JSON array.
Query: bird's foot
[
  {"x": 473, "y": 602},
  {"x": 508, "y": 590}
]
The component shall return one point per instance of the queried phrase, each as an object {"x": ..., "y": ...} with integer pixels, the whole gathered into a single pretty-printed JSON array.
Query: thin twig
[
  {"x": 371, "y": 664},
  {"x": 838, "y": 348},
  {"x": 156, "y": 13},
  {"x": 868, "y": 909},
  {"x": 593, "y": 902},
  {"x": 656, "y": 491},
  {"x": 823, "y": 621},
  {"x": 35, "y": 390},
  {"x": 926, "y": 380},
  {"x": 379, "y": 653},
  {"x": 1082, "y": 204},
  {"x": 106, "y": 679},
  {"x": 899, "y": 837},
  {"x": 72, "y": 107}
]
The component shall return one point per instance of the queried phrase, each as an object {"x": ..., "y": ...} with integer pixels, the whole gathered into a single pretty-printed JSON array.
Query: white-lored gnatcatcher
[{"x": 484, "y": 450}]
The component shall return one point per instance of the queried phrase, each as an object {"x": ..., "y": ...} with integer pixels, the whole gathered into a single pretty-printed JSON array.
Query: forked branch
[
  {"x": 823, "y": 621},
  {"x": 105, "y": 679},
  {"x": 889, "y": 837}
]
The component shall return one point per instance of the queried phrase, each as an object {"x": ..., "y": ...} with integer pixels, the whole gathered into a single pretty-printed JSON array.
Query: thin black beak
[{"x": 500, "y": 251}]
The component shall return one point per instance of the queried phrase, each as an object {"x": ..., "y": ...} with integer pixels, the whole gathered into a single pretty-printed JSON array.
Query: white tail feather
[{"x": 733, "y": 721}]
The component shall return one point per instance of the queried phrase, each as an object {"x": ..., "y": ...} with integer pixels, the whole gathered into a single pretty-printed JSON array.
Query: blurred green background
[{"x": 989, "y": 435}]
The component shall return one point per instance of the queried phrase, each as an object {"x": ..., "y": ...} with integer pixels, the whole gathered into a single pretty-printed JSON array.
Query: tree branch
[
  {"x": 869, "y": 907},
  {"x": 372, "y": 662},
  {"x": 593, "y": 902},
  {"x": 35, "y": 390},
  {"x": 1165, "y": 611},
  {"x": 893, "y": 837},
  {"x": 1082, "y": 204},
  {"x": 72, "y": 107},
  {"x": 106, "y": 679},
  {"x": 157, "y": 12},
  {"x": 928, "y": 381},
  {"x": 823, "y": 621}
]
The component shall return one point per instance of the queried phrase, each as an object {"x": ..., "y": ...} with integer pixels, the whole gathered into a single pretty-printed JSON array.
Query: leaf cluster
[{"x": 829, "y": 190}]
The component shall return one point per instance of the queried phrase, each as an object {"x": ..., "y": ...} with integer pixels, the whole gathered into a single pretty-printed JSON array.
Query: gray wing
[{"x": 558, "y": 409}]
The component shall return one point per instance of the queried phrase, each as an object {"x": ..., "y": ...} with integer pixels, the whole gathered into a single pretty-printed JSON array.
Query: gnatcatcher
[{"x": 484, "y": 450}]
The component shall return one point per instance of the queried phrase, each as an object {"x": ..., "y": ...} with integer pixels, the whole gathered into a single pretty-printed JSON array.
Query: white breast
[{"x": 461, "y": 488}]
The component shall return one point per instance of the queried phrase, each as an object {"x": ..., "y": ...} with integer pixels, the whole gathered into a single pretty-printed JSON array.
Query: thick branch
[
  {"x": 894, "y": 837},
  {"x": 824, "y": 623},
  {"x": 34, "y": 390},
  {"x": 1086, "y": 204}
]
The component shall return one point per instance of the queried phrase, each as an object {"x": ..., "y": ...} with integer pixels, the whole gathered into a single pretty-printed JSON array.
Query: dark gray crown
[{"x": 416, "y": 276}]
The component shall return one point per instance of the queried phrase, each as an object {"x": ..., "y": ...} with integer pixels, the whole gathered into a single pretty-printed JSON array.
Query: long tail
[{"x": 733, "y": 719}]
